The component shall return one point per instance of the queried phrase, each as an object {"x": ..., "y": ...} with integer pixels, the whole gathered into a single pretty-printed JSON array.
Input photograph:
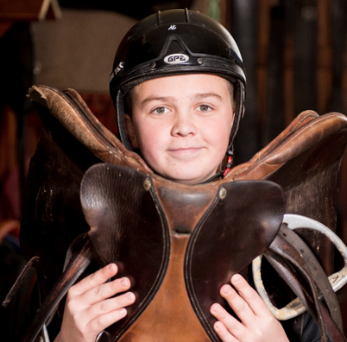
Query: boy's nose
[{"x": 183, "y": 125}]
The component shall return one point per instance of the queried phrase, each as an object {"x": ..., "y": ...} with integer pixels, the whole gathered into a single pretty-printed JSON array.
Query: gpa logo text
[{"x": 176, "y": 58}]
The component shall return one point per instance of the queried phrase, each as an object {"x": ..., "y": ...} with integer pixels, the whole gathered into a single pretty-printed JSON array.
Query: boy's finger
[
  {"x": 223, "y": 333},
  {"x": 250, "y": 296},
  {"x": 229, "y": 322},
  {"x": 95, "y": 279},
  {"x": 100, "y": 323},
  {"x": 103, "y": 291},
  {"x": 237, "y": 303},
  {"x": 111, "y": 304}
]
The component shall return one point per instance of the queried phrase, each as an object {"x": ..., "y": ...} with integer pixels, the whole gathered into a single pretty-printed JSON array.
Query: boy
[{"x": 179, "y": 76}]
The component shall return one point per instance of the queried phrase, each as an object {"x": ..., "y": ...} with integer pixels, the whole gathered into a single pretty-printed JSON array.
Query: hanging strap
[
  {"x": 307, "y": 281},
  {"x": 20, "y": 280},
  {"x": 79, "y": 262}
]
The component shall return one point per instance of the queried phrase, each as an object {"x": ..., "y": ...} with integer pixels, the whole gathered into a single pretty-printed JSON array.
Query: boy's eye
[
  {"x": 160, "y": 110},
  {"x": 204, "y": 108}
]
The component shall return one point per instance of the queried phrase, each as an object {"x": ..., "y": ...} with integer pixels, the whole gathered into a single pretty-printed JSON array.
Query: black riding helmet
[{"x": 171, "y": 43}]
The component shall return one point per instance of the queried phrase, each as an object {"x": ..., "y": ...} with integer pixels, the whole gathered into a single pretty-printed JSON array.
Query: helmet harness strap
[{"x": 121, "y": 121}]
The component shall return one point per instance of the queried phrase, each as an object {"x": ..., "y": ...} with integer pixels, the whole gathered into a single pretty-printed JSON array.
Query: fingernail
[
  {"x": 214, "y": 308},
  {"x": 111, "y": 267},
  {"x": 130, "y": 296},
  {"x": 124, "y": 282},
  {"x": 122, "y": 312},
  {"x": 218, "y": 326},
  {"x": 226, "y": 289},
  {"x": 236, "y": 278}
]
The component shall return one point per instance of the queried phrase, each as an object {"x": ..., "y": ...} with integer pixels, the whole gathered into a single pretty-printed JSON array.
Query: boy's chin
[
  {"x": 190, "y": 179},
  {"x": 184, "y": 173}
]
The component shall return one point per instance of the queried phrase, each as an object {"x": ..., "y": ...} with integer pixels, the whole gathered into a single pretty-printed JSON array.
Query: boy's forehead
[
  {"x": 203, "y": 80},
  {"x": 186, "y": 85}
]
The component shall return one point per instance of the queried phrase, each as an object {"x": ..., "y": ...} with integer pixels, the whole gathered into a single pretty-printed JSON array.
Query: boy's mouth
[{"x": 185, "y": 151}]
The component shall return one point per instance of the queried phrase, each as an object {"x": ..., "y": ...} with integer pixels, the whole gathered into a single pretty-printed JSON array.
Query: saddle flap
[
  {"x": 126, "y": 227},
  {"x": 240, "y": 225}
]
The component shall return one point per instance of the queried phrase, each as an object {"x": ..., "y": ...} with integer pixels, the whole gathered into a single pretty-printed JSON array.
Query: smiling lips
[{"x": 185, "y": 151}]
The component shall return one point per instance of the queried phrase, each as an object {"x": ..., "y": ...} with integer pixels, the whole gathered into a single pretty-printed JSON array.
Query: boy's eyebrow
[
  {"x": 166, "y": 98},
  {"x": 204, "y": 95},
  {"x": 156, "y": 98}
]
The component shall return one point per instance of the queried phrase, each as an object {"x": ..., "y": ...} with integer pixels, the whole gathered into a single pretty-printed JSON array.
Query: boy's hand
[
  {"x": 257, "y": 323},
  {"x": 89, "y": 308}
]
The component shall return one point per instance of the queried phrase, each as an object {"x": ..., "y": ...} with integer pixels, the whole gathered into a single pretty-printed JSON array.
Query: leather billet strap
[
  {"x": 178, "y": 244},
  {"x": 77, "y": 265},
  {"x": 336, "y": 280},
  {"x": 20, "y": 280},
  {"x": 307, "y": 280}
]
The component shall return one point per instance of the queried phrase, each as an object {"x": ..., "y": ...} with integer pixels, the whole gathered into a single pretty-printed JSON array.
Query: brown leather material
[
  {"x": 72, "y": 112},
  {"x": 78, "y": 264},
  {"x": 169, "y": 316},
  {"x": 240, "y": 226},
  {"x": 19, "y": 281},
  {"x": 72, "y": 141},
  {"x": 171, "y": 306},
  {"x": 307, "y": 154},
  {"x": 52, "y": 214},
  {"x": 129, "y": 225},
  {"x": 111, "y": 199}
]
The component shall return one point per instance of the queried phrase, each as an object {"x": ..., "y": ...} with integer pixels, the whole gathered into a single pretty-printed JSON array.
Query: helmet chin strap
[
  {"x": 121, "y": 122},
  {"x": 240, "y": 99},
  {"x": 230, "y": 155}
]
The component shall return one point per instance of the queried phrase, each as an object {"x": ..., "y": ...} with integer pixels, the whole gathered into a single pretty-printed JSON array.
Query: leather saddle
[{"x": 89, "y": 198}]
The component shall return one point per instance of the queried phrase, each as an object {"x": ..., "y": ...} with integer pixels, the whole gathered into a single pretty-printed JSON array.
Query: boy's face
[{"x": 182, "y": 124}]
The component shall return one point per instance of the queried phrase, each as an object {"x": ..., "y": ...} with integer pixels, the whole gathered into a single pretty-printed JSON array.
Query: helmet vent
[
  {"x": 186, "y": 12},
  {"x": 175, "y": 46},
  {"x": 158, "y": 18}
]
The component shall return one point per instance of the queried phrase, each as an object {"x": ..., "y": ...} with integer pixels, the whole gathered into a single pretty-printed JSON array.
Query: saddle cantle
[{"x": 307, "y": 153}]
